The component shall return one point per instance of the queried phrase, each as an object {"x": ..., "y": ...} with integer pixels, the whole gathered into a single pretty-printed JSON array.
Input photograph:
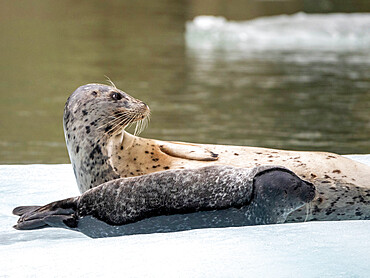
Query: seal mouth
[{"x": 122, "y": 119}]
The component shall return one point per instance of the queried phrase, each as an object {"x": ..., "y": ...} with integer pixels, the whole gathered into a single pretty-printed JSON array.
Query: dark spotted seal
[
  {"x": 213, "y": 196},
  {"x": 96, "y": 115}
]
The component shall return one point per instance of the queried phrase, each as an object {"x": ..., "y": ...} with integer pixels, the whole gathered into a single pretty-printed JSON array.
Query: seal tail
[{"x": 60, "y": 214}]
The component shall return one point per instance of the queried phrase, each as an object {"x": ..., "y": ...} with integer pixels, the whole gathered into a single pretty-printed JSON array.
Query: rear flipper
[
  {"x": 57, "y": 221},
  {"x": 24, "y": 209},
  {"x": 57, "y": 214}
]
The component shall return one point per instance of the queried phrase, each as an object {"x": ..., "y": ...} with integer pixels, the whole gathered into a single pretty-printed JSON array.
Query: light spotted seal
[
  {"x": 175, "y": 200},
  {"x": 100, "y": 149}
]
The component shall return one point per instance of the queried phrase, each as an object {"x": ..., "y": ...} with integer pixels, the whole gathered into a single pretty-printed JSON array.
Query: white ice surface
[
  {"x": 339, "y": 32},
  {"x": 315, "y": 249}
]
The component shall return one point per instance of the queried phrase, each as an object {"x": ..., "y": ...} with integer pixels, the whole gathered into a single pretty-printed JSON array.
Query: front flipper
[{"x": 187, "y": 151}]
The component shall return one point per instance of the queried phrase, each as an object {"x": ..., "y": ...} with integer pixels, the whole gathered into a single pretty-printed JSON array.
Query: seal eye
[{"x": 116, "y": 96}]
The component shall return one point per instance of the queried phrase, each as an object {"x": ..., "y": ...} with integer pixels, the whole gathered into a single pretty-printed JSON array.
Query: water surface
[{"x": 268, "y": 98}]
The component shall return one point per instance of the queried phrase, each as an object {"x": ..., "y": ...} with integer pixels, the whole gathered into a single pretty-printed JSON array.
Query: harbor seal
[
  {"x": 100, "y": 155},
  {"x": 175, "y": 200}
]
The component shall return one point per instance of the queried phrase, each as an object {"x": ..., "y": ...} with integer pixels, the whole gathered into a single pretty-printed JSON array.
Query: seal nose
[
  {"x": 146, "y": 106},
  {"x": 146, "y": 109}
]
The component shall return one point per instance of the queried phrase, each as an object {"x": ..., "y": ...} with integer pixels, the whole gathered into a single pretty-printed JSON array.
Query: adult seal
[
  {"x": 175, "y": 200},
  {"x": 100, "y": 150}
]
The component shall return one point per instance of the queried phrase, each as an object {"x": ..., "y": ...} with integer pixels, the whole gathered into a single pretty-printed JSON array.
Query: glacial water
[{"x": 296, "y": 81}]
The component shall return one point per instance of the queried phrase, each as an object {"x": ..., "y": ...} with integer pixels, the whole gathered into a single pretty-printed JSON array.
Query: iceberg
[
  {"x": 338, "y": 32},
  {"x": 312, "y": 249}
]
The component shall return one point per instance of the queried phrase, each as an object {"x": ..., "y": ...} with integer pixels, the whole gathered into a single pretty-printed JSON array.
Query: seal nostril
[{"x": 146, "y": 106}]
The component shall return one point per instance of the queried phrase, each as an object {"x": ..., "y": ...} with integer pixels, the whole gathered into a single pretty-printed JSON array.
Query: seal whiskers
[
  {"x": 118, "y": 124},
  {"x": 141, "y": 125},
  {"x": 308, "y": 211},
  {"x": 110, "y": 82},
  {"x": 116, "y": 121},
  {"x": 122, "y": 124}
]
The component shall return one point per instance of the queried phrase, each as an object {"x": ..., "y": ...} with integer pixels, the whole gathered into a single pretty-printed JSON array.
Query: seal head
[
  {"x": 275, "y": 193},
  {"x": 93, "y": 114}
]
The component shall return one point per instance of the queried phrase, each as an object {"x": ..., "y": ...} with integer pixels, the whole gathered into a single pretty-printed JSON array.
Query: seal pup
[
  {"x": 95, "y": 118},
  {"x": 175, "y": 200}
]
